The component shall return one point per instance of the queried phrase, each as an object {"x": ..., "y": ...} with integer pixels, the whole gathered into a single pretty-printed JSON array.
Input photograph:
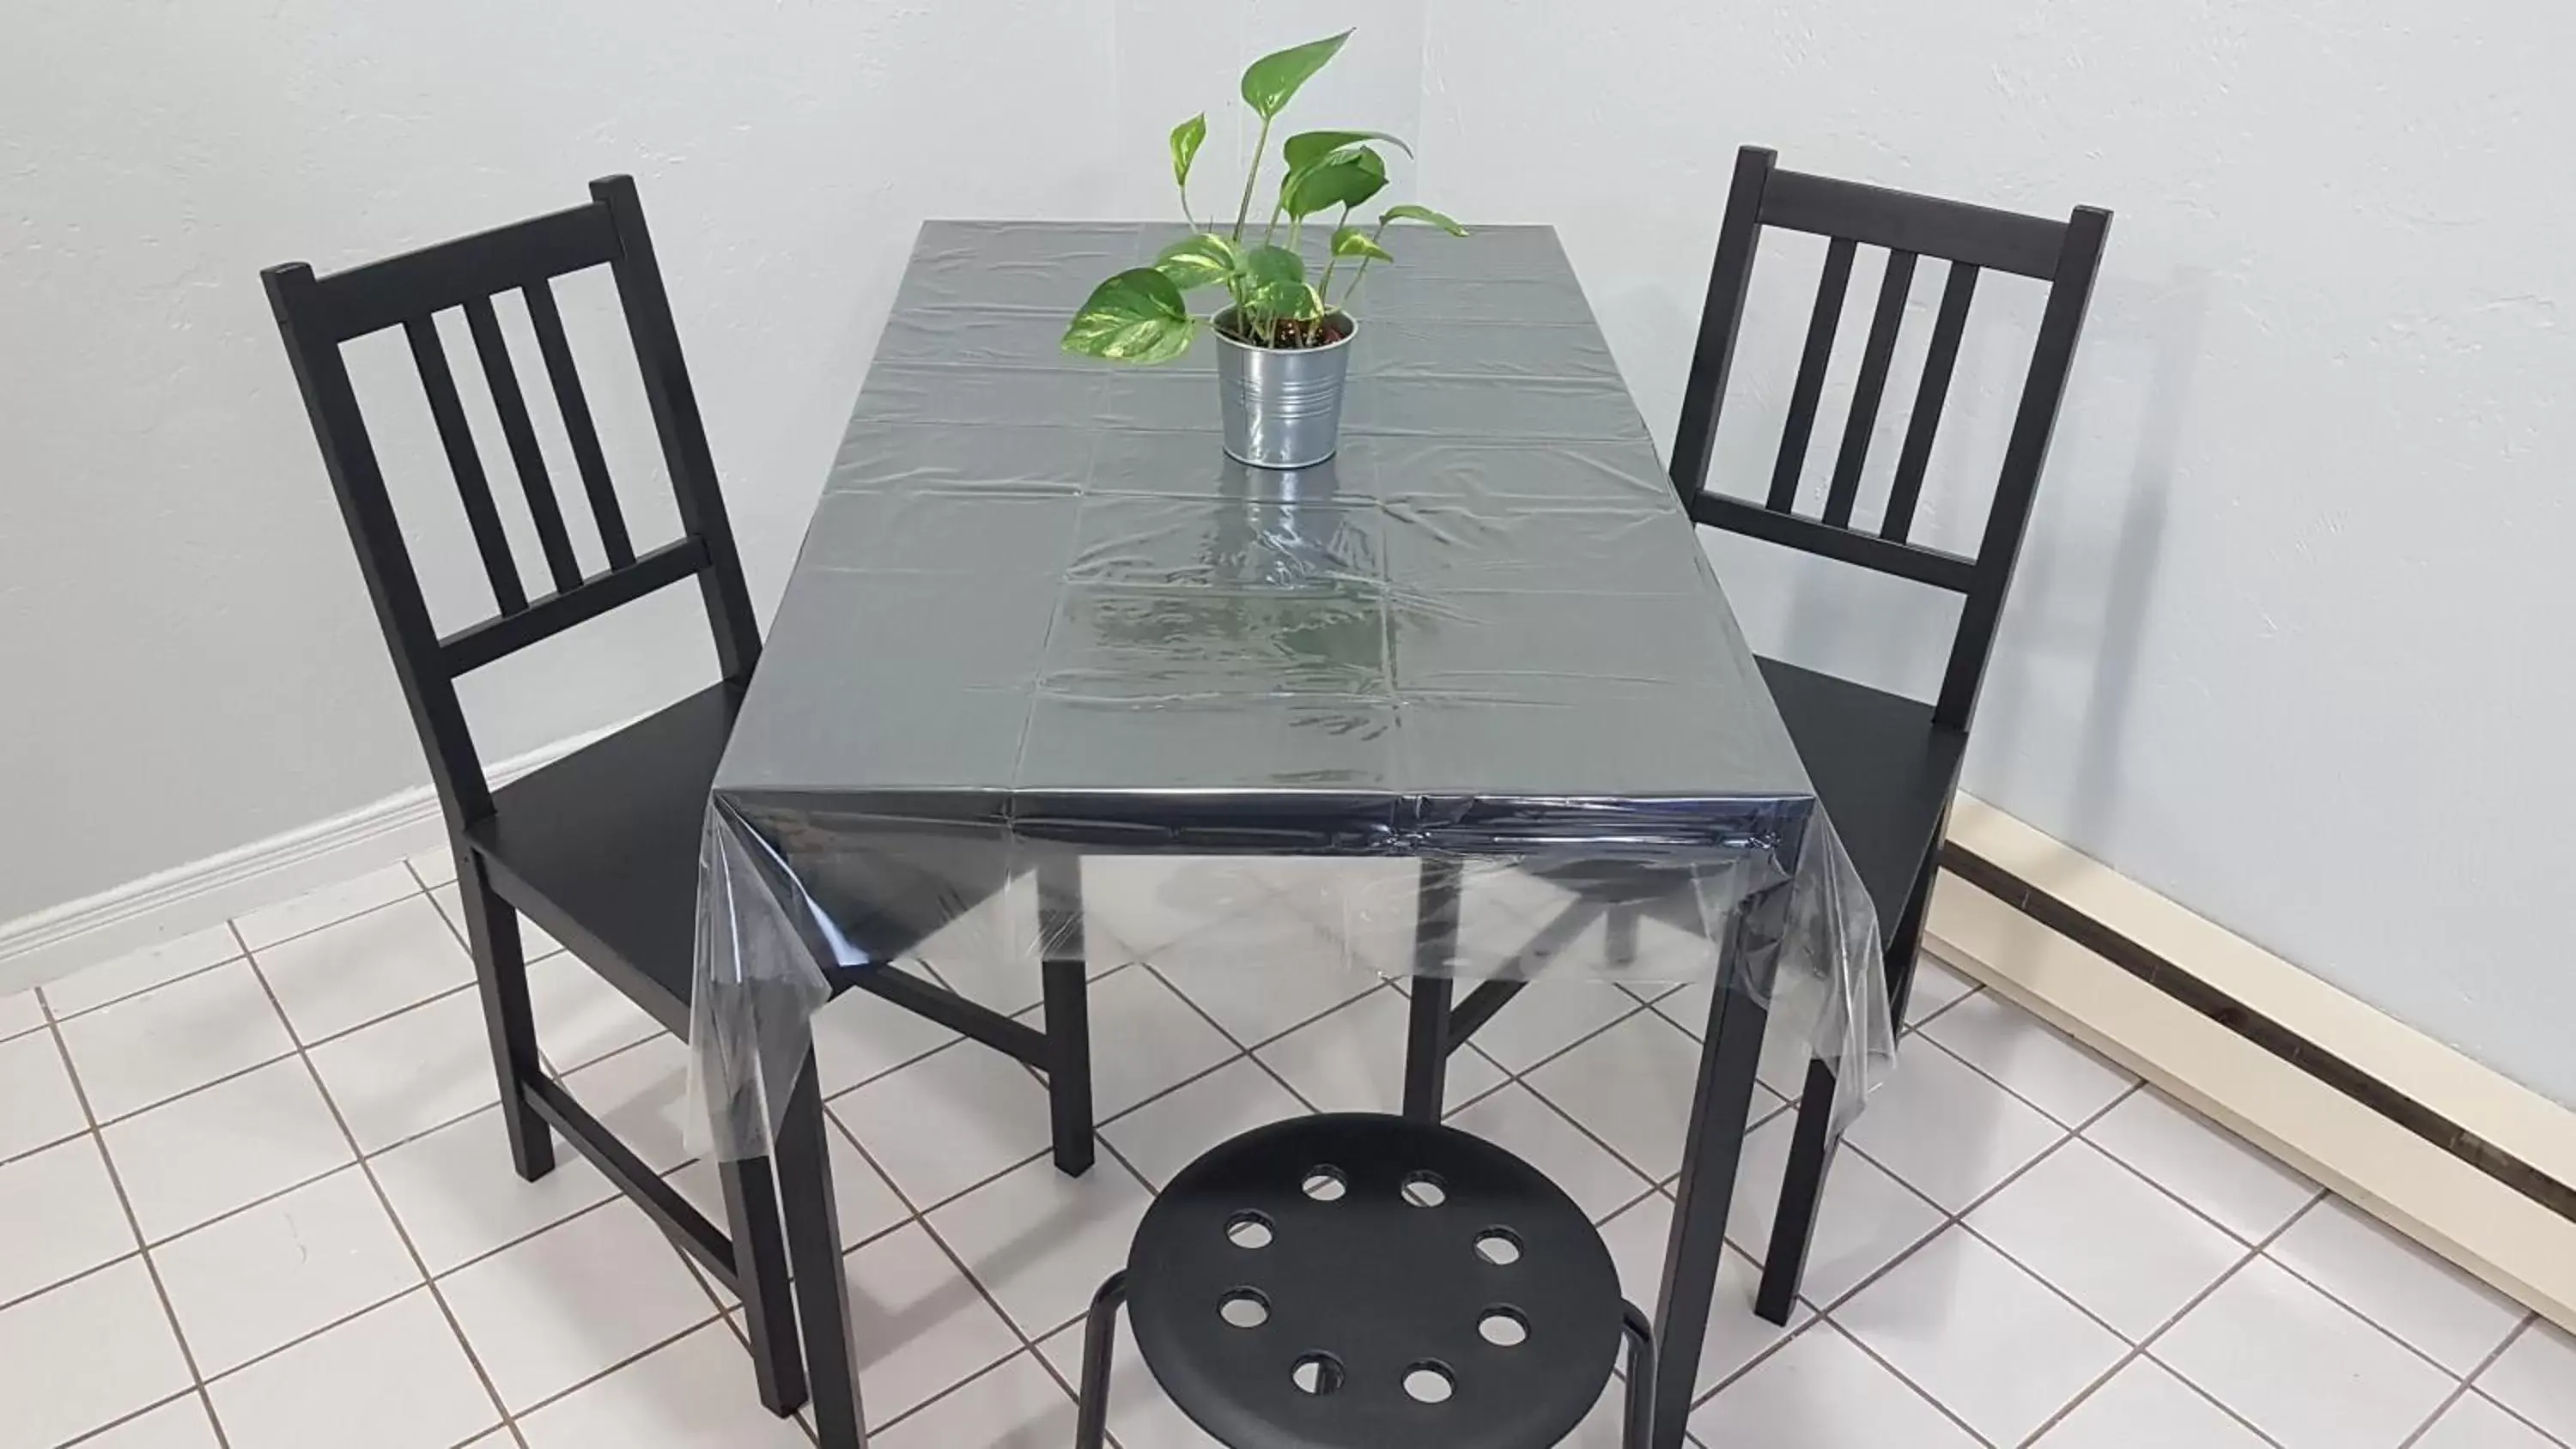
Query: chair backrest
[
  {"x": 317, "y": 315},
  {"x": 2064, "y": 254}
]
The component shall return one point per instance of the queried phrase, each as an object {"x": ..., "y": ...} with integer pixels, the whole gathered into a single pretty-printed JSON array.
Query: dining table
[{"x": 1041, "y": 623}]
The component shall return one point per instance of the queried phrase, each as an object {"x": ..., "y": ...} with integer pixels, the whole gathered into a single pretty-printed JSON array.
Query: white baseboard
[
  {"x": 56, "y": 941},
  {"x": 2508, "y": 1240}
]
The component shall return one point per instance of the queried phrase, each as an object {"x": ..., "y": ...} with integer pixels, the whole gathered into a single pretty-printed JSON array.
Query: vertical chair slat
[
  {"x": 522, "y": 437},
  {"x": 471, "y": 486},
  {"x": 1872, "y": 385},
  {"x": 1810, "y": 388},
  {"x": 578, "y": 427},
  {"x": 1937, "y": 366}
]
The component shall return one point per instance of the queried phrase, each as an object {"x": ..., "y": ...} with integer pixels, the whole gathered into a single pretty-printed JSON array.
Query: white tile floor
[{"x": 255, "y": 1196}]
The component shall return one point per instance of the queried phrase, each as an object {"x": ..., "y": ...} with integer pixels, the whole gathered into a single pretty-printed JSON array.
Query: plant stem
[
  {"x": 1353, "y": 290},
  {"x": 1324, "y": 288},
  {"x": 1245, "y": 210}
]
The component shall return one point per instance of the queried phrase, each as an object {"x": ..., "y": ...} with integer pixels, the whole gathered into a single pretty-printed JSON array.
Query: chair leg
[
  {"x": 1811, "y": 1149},
  {"x": 814, "y": 1254},
  {"x": 760, "y": 1268},
  {"x": 1621, "y": 927},
  {"x": 1802, "y": 1192},
  {"x": 1907, "y": 943},
  {"x": 1099, "y": 1341},
  {"x": 1640, "y": 1431},
  {"x": 501, "y": 972}
]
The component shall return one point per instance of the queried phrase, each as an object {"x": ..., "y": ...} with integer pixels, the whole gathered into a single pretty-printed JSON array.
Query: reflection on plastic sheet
[{"x": 1042, "y": 628}]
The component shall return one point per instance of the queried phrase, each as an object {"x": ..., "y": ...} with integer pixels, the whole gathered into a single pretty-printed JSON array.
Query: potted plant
[{"x": 1283, "y": 338}]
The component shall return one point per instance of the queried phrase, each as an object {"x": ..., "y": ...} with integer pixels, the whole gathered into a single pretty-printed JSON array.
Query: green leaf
[
  {"x": 1347, "y": 181},
  {"x": 1284, "y": 298},
  {"x": 1264, "y": 266},
  {"x": 1186, "y": 139},
  {"x": 1135, "y": 316},
  {"x": 1350, "y": 241},
  {"x": 1269, "y": 82},
  {"x": 1200, "y": 259},
  {"x": 1410, "y": 212},
  {"x": 1307, "y": 148}
]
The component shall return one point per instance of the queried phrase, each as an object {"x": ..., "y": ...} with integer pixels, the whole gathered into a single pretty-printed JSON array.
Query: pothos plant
[{"x": 1143, "y": 315}]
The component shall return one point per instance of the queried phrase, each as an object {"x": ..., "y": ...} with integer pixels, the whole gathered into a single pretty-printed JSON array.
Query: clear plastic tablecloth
[{"x": 1041, "y": 622}]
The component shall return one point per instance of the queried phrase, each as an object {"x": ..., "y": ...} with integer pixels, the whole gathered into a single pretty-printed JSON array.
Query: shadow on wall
[
  {"x": 2058, "y": 692},
  {"x": 2074, "y": 628}
]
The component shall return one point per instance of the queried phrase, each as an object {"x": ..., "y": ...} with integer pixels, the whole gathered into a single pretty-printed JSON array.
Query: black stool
[{"x": 1357, "y": 1281}]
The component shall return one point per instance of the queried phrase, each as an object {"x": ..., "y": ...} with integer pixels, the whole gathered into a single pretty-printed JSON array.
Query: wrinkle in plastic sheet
[{"x": 1041, "y": 623}]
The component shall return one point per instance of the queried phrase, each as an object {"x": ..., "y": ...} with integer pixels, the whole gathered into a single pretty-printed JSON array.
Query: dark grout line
[
  {"x": 188, "y": 975},
  {"x": 2328, "y": 1194},
  {"x": 2531, "y": 1324},
  {"x": 151, "y": 1269},
  {"x": 1824, "y": 1311},
  {"x": 641, "y": 1354},
  {"x": 93, "y": 1435},
  {"x": 1944, "y": 1410},
  {"x": 385, "y": 1204},
  {"x": 2141, "y": 1348},
  {"x": 1029, "y": 1342},
  {"x": 2463, "y": 1389},
  {"x": 234, "y": 923}
]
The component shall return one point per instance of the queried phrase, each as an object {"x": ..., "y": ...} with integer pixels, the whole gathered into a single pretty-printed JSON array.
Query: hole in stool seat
[
  {"x": 1429, "y": 1383},
  {"x": 1244, "y": 1308},
  {"x": 1425, "y": 1189},
  {"x": 1499, "y": 1246},
  {"x": 1503, "y": 1327},
  {"x": 1325, "y": 1183},
  {"x": 1248, "y": 1230},
  {"x": 1316, "y": 1373}
]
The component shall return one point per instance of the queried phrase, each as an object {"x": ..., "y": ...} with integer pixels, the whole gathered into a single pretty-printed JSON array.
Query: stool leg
[
  {"x": 1099, "y": 1340},
  {"x": 1640, "y": 1432}
]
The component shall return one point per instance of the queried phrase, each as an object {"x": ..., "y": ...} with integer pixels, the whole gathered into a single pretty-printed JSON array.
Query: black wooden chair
[
  {"x": 1885, "y": 766},
  {"x": 600, "y": 848}
]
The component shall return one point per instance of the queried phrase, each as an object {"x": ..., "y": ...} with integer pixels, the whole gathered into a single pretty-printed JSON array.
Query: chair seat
[
  {"x": 1882, "y": 768},
  {"x": 600, "y": 848},
  {"x": 1374, "y": 1286}
]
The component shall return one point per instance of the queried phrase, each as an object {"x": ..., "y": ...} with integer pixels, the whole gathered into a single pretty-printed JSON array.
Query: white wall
[{"x": 2288, "y": 644}]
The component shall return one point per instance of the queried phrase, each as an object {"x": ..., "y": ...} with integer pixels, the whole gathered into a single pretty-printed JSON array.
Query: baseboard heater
[
  {"x": 2276, "y": 1037},
  {"x": 2466, "y": 1162}
]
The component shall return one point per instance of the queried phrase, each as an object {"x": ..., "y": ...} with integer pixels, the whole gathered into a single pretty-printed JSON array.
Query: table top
[{"x": 1036, "y": 590}]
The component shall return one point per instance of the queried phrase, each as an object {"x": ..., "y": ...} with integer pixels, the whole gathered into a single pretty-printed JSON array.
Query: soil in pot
[{"x": 1292, "y": 334}]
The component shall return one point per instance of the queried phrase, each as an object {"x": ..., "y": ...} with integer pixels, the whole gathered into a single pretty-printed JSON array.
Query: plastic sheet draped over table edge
[{"x": 1053, "y": 676}]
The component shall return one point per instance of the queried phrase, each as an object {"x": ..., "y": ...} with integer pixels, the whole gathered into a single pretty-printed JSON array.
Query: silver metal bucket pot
[{"x": 1282, "y": 406}]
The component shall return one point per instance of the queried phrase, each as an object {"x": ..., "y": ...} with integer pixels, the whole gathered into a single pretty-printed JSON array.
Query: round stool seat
[{"x": 1357, "y": 1281}]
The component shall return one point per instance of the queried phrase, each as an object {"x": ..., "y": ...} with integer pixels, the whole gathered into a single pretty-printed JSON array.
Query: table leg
[
  {"x": 1729, "y": 1054},
  {"x": 814, "y": 1251},
  {"x": 1068, "y": 1011},
  {"x": 1435, "y": 947}
]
